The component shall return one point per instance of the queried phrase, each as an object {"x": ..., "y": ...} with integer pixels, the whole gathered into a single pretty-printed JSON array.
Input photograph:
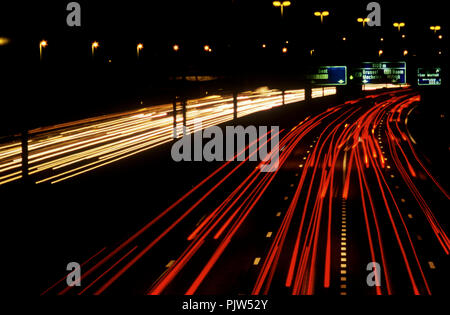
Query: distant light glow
[
  {"x": 4, "y": 41},
  {"x": 399, "y": 25},
  {"x": 363, "y": 21}
]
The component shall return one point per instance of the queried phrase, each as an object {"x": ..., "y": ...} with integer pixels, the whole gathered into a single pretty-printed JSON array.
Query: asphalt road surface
[{"x": 351, "y": 189}]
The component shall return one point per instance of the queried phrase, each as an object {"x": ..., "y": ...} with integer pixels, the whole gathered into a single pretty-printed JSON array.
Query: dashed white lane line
[{"x": 343, "y": 249}]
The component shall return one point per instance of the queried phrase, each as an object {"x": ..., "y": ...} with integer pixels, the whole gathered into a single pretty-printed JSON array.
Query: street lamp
[
  {"x": 176, "y": 47},
  {"x": 399, "y": 25},
  {"x": 42, "y": 45},
  {"x": 321, "y": 14},
  {"x": 281, "y": 5},
  {"x": 405, "y": 52},
  {"x": 284, "y": 50},
  {"x": 435, "y": 28},
  {"x": 380, "y": 52},
  {"x": 363, "y": 21},
  {"x": 94, "y": 46},
  {"x": 139, "y": 47},
  {"x": 4, "y": 41}
]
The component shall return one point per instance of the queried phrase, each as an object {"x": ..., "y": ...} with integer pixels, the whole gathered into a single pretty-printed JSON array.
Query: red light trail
[{"x": 350, "y": 152}]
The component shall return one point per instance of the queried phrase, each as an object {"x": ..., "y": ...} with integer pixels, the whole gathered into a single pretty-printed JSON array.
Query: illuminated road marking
[
  {"x": 431, "y": 264},
  {"x": 269, "y": 234},
  {"x": 170, "y": 263},
  {"x": 343, "y": 248},
  {"x": 256, "y": 261}
]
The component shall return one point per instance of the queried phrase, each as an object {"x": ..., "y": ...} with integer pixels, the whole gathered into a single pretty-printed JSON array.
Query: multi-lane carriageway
[{"x": 351, "y": 189}]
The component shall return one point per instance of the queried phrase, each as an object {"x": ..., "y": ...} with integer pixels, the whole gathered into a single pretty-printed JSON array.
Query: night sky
[{"x": 235, "y": 30}]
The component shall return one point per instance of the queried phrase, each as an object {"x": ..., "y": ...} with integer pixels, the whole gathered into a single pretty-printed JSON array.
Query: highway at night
[
  {"x": 351, "y": 189},
  {"x": 226, "y": 156}
]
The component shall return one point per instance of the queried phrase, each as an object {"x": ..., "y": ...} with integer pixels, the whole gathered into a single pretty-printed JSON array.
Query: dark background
[{"x": 69, "y": 84}]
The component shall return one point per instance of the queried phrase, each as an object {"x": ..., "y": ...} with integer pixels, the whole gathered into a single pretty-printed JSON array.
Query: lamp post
[
  {"x": 42, "y": 45},
  {"x": 321, "y": 14},
  {"x": 94, "y": 46},
  {"x": 281, "y": 5},
  {"x": 399, "y": 25},
  {"x": 139, "y": 47},
  {"x": 435, "y": 28},
  {"x": 363, "y": 21}
]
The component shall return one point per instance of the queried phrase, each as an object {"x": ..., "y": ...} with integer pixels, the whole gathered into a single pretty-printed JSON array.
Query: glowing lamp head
[
  {"x": 276, "y": 3},
  {"x": 284, "y": 50},
  {"x": 286, "y": 3},
  {"x": 95, "y": 45},
  {"x": 206, "y": 48},
  {"x": 43, "y": 43},
  {"x": 4, "y": 41},
  {"x": 176, "y": 47},
  {"x": 360, "y": 20},
  {"x": 140, "y": 46},
  {"x": 325, "y": 13}
]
